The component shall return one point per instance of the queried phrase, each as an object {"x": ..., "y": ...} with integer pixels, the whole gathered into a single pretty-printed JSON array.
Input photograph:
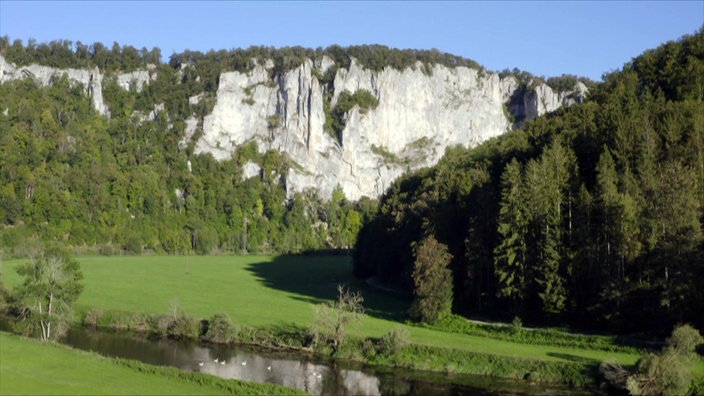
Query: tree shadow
[{"x": 313, "y": 278}]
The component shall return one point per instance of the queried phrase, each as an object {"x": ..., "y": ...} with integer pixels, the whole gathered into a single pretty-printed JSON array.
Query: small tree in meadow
[
  {"x": 51, "y": 285},
  {"x": 433, "y": 281},
  {"x": 333, "y": 318}
]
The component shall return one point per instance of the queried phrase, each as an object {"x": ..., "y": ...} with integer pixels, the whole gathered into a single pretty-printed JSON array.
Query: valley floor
[{"x": 262, "y": 291}]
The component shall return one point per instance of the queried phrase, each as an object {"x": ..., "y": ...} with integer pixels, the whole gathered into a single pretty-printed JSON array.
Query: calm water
[{"x": 295, "y": 370}]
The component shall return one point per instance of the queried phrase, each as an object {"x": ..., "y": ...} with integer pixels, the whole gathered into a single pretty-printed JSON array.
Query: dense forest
[{"x": 590, "y": 216}]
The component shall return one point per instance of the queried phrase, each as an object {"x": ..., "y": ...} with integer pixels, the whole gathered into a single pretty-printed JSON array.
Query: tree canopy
[{"x": 590, "y": 216}]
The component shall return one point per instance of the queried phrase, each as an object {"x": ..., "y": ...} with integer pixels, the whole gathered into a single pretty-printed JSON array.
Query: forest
[
  {"x": 127, "y": 183},
  {"x": 591, "y": 216}
]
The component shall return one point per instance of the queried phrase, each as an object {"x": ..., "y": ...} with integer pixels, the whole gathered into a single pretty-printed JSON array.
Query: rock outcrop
[
  {"x": 418, "y": 116},
  {"x": 420, "y": 113},
  {"x": 91, "y": 79}
]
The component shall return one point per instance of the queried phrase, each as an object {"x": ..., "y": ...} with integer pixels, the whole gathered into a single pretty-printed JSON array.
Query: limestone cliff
[
  {"x": 421, "y": 111},
  {"x": 91, "y": 79},
  {"x": 419, "y": 115}
]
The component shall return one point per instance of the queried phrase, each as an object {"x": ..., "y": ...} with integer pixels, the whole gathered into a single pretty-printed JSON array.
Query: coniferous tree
[
  {"x": 433, "y": 281},
  {"x": 510, "y": 255}
]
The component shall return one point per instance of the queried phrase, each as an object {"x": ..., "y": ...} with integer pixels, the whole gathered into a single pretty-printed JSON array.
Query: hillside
[
  {"x": 590, "y": 216},
  {"x": 257, "y": 150}
]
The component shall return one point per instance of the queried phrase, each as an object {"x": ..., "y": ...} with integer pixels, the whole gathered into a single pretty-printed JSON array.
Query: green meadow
[
  {"x": 272, "y": 291},
  {"x": 31, "y": 367},
  {"x": 263, "y": 291}
]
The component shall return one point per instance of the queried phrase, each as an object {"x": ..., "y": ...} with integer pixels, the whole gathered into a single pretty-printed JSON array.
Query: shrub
[
  {"x": 219, "y": 329},
  {"x": 368, "y": 349},
  {"x": 184, "y": 326},
  {"x": 93, "y": 317},
  {"x": 684, "y": 340},
  {"x": 394, "y": 341},
  {"x": 516, "y": 325},
  {"x": 332, "y": 318},
  {"x": 670, "y": 371}
]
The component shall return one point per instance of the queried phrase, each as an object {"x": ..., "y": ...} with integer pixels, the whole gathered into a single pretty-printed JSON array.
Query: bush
[
  {"x": 332, "y": 319},
  {"x": 93, "y": 317},
  {"x": 684, "y": 340},
  {"x": 219, "y": 329},
  {"x": 394, "y": 341},
  {"x": 184, "y": 326},
  {"x": 670, "y": 371}
]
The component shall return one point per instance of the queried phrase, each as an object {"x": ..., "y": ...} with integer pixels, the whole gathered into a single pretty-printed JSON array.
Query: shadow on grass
[
  {"x": 314, "y": 279},
  {"x": 573, "y": 358}
]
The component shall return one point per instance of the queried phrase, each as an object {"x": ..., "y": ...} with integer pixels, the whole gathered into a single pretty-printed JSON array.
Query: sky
[{"x": 545, "y": 38}]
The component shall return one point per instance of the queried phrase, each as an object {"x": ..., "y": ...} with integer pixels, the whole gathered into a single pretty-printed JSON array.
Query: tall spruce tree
[{"x": 510, "y": 256}]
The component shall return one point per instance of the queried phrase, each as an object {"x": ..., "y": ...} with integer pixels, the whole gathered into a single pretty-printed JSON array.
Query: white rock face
[
  {"x": 418, "y": 116},
  {"x": 91, "y": 79},
  {"x": 542, "y": 100},
  {"x": 135, "y": 79}
]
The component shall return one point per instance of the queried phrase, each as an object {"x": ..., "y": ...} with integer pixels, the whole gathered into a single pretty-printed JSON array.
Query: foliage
[
  {"x": 219, "y": 329},
  {"x": 336, "y": 117},
  {"x": 591, "y": 216},
  {"x": 567, "y": 82},
  {"x": 394, "y": 341},
  {"x": 670, "y": 371},
  {"x": 332, "y": 318},
  {"x": 123, "y": 184},
  {"x": 67, "y": 54},
  {"x": 433, "y": 281},
  {"x": 51, "y": 285}
]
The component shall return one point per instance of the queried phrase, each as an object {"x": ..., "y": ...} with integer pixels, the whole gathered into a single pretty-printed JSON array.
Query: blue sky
[{"x": 545, "y": 38}]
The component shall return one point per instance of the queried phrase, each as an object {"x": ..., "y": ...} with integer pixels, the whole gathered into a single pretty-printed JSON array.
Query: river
[{"x": 296, "y": 370}]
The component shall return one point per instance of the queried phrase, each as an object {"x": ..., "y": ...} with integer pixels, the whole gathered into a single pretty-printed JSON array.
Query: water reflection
[
  {"x": 293, "y": 370},
  {"x": 239, "y": 363},
  {"x": 316, "y": 379}
]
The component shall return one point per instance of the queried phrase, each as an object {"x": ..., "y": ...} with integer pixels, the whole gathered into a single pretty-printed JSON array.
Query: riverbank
[{"x": 31, "y": 367}]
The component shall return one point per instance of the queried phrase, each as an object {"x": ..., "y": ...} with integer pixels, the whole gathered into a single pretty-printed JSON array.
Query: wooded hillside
[{"x": 592, "y": 215}]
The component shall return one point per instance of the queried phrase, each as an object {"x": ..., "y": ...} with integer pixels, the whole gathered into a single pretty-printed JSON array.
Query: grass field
[
  {"x": 270, "y": 291},
  {"x": 30, "y": 367}
]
